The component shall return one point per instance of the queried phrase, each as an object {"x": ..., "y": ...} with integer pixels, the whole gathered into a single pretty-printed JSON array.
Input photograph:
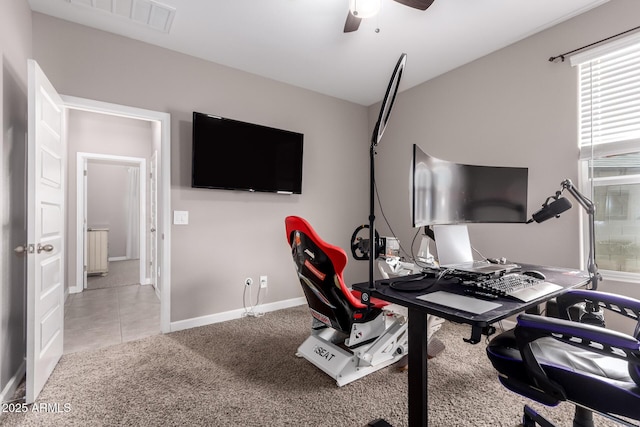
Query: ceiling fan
[{"x": 360, "y": 9}]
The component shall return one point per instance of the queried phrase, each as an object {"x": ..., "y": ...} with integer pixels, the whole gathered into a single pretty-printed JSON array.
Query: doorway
[
  {"x": 155, "y": 242},
  {"x": 112, "y": 221}
]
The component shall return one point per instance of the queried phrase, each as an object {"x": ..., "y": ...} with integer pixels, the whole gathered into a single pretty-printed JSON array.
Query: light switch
[{"x": 181, "y": 217}]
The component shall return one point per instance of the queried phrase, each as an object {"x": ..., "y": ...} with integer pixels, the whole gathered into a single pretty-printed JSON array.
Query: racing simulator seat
[
  {"x": 551, "y": 360},
  {"x": 390, "y": 266},
  {"x": 348, "y": 339}
]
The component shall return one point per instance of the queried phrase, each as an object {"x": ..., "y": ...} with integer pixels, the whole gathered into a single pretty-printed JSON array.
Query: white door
[
  {"x": 45, "y": 231},
  {"x": 153, "y": 235}
]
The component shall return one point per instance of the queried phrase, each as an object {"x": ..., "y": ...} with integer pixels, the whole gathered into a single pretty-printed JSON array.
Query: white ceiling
[{"x": 301, "y": 42}]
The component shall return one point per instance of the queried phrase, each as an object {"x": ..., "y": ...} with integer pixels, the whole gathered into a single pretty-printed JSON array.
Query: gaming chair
[
  {"x": 348, "y": 338},
  {"x": 551, "y": 360}
]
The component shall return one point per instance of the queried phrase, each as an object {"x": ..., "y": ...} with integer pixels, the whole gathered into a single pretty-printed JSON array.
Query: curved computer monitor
[{"x": 443, "y": 192}]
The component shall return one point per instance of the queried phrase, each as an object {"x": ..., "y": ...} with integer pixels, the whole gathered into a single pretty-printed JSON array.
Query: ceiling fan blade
[
  {"x": 352, "y": 23},
  {"x": 416, "y": 4}
]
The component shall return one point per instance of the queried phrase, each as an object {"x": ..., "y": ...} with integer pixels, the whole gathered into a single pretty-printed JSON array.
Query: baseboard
[
  {"x": 264, "y": 308},
  {"x": 119, "y": 258},
  {"x": 234, "y": 314},
  {"x": 13, "y": 383}
]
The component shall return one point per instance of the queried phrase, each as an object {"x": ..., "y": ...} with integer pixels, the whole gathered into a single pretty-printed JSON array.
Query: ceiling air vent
[{"x": 146, "y": 12}]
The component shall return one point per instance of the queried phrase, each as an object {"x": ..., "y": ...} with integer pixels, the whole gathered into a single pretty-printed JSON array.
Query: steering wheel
[{"x": 360, "y": 246}]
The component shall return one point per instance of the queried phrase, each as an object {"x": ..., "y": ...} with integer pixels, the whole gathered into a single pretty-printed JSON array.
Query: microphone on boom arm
[{"x": 550, "y": 210}]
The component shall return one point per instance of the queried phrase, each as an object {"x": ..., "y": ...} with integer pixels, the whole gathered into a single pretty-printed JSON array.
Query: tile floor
[{"x": 102, "y": 317}]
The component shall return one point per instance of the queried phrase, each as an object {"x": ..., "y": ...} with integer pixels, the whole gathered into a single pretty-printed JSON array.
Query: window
[
  {"x": 609, "y": 137},
  {"x": 615, "y": 182}
]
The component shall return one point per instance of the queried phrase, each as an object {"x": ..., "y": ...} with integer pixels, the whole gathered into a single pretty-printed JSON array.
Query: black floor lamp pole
[
  {"x": 372, "y": 214},
  {"x": 381, "y": 124}
]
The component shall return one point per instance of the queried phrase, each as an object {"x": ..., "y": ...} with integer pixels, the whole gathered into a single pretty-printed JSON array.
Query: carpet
[{"x": 245, "y": 373}]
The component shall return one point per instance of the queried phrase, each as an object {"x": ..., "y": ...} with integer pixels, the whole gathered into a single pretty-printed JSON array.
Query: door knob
[
  {"x": 20, "y": 249},
  {"x": 46, "y": 248}
]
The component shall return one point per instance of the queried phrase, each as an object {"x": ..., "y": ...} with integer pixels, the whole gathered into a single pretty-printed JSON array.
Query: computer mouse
[{"x": 534, "y": 273}]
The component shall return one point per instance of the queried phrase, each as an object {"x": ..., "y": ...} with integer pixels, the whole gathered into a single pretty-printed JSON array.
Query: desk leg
[{"x": 418, "y": 374}]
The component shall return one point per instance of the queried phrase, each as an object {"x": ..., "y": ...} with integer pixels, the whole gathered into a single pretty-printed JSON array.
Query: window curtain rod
[{"x": 562, "y": 56}]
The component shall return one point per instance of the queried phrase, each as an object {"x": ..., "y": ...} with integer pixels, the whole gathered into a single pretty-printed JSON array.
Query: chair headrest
[{"x": 337, "y": 255}]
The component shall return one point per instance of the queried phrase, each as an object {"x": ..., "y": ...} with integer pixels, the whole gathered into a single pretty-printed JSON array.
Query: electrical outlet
[
  {"x": 263, "y": 281},
  {"x": 248, "y": 281}
]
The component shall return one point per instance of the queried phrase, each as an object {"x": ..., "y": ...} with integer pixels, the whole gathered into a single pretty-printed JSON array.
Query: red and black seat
[
  {"x": 348, "y": 339},
  {"x": 320, "y": 266}
]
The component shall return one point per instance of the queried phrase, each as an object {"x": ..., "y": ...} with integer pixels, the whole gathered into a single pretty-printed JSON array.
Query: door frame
[
  {"x": 163, "y": 282},
  {"x": 83, "y": 159},
  {"x": 153, "y": 218}
]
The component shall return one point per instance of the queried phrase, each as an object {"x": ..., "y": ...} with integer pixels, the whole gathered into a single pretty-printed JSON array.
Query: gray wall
[
  {"x": 15, "y": 49},
  {"x": 108, "y": 204},
  {"x": 231, "y": 235},
  {"x": 510, "y": 108}
]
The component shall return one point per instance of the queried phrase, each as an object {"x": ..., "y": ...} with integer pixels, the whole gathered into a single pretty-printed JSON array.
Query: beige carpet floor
[{"x": 245, "y": 373}]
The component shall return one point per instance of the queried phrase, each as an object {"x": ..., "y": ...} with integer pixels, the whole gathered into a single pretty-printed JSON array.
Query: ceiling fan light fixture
[{"x": 364, "y": 8}]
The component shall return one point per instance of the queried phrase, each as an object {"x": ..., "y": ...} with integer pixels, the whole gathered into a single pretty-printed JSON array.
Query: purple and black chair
[
  {"x": 552, "y": 360},
  {"x": 348, "y": 339}
]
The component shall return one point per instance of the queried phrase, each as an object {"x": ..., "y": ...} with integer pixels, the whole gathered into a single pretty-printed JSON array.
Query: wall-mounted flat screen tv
[{"x": 234, "y": 155}]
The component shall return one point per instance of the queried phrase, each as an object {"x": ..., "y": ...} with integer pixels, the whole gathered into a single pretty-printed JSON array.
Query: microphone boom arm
[{"x": 590, "y": 208}]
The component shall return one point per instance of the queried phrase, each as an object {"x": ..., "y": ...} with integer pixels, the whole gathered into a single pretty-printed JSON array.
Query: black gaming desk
[{"x": 480, "y": 323}]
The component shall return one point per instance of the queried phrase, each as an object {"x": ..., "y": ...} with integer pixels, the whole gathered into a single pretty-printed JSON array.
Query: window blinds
[{"x": 609, "y": 101}]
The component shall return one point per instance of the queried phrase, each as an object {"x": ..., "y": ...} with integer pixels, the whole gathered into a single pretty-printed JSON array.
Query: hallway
[{"x": 102, "y": 317}]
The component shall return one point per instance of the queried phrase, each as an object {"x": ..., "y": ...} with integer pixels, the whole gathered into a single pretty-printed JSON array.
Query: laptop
[{"x": 454, "y": 251}]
